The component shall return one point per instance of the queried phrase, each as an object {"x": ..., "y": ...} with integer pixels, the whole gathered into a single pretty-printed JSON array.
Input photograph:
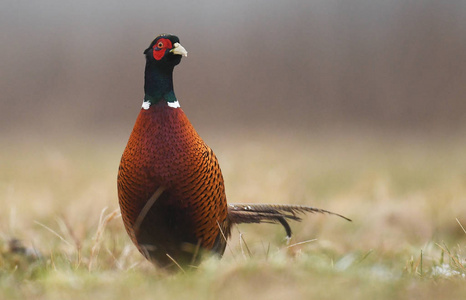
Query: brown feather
[{"x": 271, "y": 213}]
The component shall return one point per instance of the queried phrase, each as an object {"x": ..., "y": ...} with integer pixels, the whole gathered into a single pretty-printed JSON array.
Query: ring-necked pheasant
[{"x": 170, "y": 185}]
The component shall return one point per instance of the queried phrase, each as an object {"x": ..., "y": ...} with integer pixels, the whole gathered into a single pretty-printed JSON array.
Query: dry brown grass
[{"x": 406, "y": 198}]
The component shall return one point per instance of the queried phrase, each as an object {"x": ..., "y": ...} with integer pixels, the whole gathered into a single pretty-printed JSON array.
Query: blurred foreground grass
[{"x": 406, "y": 198}]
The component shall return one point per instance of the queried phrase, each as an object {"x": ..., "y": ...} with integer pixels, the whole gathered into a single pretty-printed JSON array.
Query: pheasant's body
[
  {"x": 170, "y": 186},
  {"x": 165, "y": 156}
]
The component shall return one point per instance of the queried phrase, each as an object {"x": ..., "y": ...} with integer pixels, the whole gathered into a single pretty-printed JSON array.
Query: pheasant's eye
[{"x": 160, "y": 45}]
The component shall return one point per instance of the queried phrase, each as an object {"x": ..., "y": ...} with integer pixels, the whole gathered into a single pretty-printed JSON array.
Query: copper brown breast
[{"x": 165, "y": 158}]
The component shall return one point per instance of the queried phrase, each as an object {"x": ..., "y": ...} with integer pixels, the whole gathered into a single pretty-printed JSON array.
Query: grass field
[{"x": 406, "y": 196}]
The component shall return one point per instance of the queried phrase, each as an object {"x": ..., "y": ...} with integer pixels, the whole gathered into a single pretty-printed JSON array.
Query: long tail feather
[{"x": 272, "y": 213}]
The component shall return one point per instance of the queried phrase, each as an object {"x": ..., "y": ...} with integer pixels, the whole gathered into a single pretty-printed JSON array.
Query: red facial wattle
[{"x": 160, "y": 47}]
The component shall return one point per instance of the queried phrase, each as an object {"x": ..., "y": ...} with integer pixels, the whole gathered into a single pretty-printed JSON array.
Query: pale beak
[{"x": 179, "y": 50}]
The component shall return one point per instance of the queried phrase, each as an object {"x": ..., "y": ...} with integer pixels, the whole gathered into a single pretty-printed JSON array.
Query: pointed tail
[{"x": 272, "y": 213}]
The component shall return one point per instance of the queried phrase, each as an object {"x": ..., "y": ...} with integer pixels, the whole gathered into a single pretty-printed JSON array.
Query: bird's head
[{"x": 165, "y": 51}]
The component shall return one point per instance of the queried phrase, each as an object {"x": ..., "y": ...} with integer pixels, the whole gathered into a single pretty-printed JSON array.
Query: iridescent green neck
[{"x": 158, "y": 85}]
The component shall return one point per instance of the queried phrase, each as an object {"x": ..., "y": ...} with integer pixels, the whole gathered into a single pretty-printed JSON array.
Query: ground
[{"x": 62, "y": 235}]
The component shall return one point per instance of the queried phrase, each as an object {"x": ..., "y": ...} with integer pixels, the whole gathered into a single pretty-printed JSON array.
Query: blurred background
[
  {"x": 76, "y": 67},
  {"x": 355, "y": 106}
]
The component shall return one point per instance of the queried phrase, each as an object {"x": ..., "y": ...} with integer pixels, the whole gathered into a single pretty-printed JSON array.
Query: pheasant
[{"x": 170, "y": 187}]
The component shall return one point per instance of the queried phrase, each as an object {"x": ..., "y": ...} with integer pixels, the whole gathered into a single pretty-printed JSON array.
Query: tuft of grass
[{"x": 61, "y": 235}]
